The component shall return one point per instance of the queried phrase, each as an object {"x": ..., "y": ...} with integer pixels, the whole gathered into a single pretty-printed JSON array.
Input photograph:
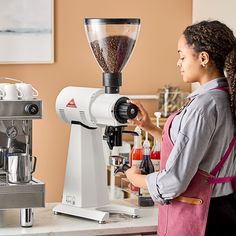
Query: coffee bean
[{"x": 112, "y": 52}]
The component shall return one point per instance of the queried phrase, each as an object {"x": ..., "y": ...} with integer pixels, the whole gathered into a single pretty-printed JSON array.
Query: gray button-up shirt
[{"x": 201, "y": 134}]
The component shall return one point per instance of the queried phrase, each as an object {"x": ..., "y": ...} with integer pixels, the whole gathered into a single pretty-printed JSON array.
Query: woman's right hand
[{"x": 142, "y": 119}]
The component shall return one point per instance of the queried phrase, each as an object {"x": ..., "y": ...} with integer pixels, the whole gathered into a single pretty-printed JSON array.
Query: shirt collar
[{"x": 212, "y": 84}]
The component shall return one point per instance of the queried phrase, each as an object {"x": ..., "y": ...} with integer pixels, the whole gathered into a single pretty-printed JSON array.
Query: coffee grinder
[
  {"x": 90, "y": 111},
  {"x": 17, "y": 187}
]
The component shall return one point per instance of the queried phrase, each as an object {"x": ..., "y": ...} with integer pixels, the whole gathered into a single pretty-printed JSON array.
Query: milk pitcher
[{"x": 20, "y": 168}]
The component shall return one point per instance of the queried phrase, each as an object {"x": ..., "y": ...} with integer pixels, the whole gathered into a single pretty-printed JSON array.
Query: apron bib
[{"x": 187, "y": 214}]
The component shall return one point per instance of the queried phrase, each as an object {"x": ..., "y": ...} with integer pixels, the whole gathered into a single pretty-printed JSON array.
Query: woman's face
[{"x": 189, "y": 62}]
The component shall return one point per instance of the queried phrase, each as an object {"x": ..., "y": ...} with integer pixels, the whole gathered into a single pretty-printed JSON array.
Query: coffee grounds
[{"x": 112, "y": 52}]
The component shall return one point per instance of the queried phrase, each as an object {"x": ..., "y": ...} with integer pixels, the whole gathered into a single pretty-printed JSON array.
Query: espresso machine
[
  {"x": 90, "y": 111},
  {"x": 17, "y": 187}
]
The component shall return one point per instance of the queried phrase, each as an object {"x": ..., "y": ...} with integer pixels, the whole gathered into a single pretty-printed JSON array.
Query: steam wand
[{"x": 25, "y": 129}]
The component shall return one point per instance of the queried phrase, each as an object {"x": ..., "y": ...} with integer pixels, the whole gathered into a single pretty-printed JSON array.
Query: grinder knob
[
  {"x": 124, "y": 110},
  {"x": 127, "y": 111}
]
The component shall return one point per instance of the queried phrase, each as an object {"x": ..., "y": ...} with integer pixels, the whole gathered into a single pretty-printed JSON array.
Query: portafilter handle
[{"x": 121, "y": 168}]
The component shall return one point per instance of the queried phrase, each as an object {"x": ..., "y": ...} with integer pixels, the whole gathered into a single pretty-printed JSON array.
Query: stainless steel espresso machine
[
  {"x": 90, "y": 111},
  {"x": 17, "y": 187}
]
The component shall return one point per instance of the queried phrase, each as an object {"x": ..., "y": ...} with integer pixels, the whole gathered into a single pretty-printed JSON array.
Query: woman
[{"x": 194, "y": 187}]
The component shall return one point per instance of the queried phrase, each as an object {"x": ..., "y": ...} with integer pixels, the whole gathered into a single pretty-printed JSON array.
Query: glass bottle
[
  {"x": 146, "y": 165},
  {"x": 155, "y": 155},
  {"x": 136, "y": 154},
  {"x": 156, "y": 149}
]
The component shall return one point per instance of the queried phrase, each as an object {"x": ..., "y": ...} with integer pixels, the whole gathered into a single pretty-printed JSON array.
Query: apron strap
[
  {"x": 224, "y": 158},
  {"x": 215, "y": 180},
  {"x": 225, "y": 89}
]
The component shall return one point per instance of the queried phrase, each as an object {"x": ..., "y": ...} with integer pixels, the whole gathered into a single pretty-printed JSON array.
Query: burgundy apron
[{"x": 187, "y": 214}]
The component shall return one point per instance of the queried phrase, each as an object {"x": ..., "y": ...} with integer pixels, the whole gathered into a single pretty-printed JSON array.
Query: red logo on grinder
[{"x": 71, "y": 103}]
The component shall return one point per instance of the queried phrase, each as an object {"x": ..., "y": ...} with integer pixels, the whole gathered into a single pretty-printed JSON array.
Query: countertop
[{"x": 48, "y": 224}]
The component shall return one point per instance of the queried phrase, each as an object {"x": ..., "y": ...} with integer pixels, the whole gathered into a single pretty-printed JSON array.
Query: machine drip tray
[{"x": 28, "y": 195}]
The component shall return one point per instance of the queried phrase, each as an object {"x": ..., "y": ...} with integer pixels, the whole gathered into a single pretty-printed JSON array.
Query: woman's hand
[
  {"x": 130, "y": 173},
  {"x": 134, "y": 176},
  {"x": 142, "y": 120}
]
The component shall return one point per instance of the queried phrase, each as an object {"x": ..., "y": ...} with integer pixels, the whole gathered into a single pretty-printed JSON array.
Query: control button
[{"x": 32, "y": 109}]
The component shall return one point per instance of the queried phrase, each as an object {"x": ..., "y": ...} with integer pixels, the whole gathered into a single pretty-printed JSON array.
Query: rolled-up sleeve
[{"x": 153, "y": 188}]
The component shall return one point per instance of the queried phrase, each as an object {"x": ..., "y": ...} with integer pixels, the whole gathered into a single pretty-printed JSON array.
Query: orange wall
[{"x": 153, "y": 64}]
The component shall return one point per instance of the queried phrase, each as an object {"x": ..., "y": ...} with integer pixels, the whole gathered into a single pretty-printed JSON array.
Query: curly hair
[{"x": 219, "y": 42}]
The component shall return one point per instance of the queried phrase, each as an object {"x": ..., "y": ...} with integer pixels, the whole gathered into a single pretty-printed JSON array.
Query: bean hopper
[{"x": 90, "y": 111}]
